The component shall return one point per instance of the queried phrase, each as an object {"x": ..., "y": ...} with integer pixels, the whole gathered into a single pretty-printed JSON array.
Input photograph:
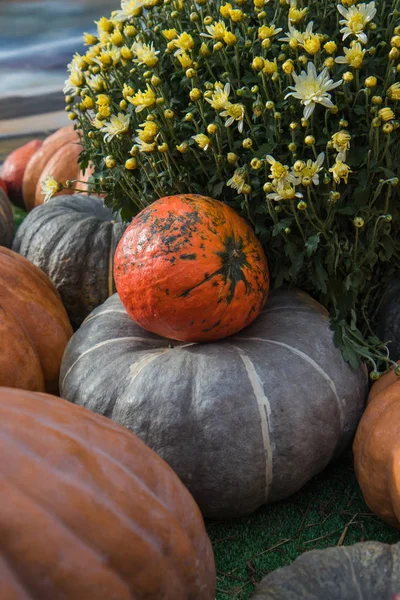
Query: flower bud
[{"x": 131, "y": 164}]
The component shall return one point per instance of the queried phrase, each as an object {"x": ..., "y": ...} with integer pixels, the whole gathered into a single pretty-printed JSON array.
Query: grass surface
[{"x": 329, "y": 511}]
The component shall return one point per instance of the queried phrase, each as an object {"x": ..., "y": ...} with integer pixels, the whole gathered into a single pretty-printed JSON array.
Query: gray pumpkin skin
[
  {"x": 73, "y": 240},
  {"x": 364, "y": 571},
  {"x": 243, "y": 421},
  {"x": 6, "y": 221},
  {"x": 389, "y": 318}
]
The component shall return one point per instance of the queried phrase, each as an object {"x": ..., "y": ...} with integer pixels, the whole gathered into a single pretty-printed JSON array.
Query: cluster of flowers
[{"x": 287, "y": 110}]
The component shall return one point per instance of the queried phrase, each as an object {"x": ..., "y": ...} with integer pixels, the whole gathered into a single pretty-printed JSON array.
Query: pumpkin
[
  {"x": 6, "y": 220},
  {"x": 3, "y": 185},
  {"x": 13, "y": 169},
  {"x": 243, "y": 421},
  {"x": 377, "y": 450},
  {"x": 364, "y": 571},
  {"x": 58, "y": 235},
  {"x": 58, "y": 156},
  {"x": 112, "y": 520},
  {"x": 34, "y": 327},
  {"x": 389, "y": 318},
  {"x": 189, "y": 268}
]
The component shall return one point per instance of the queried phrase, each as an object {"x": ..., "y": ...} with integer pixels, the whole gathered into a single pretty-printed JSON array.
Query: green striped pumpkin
[{"x": 243, "y": 421}]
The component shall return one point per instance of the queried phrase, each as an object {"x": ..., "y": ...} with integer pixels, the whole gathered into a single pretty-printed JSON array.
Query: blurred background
[{"x": 37, "y": 41}]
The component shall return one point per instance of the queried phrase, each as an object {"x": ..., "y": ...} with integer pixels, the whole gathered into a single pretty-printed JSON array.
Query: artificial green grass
[{"x": 328, "y": 511}]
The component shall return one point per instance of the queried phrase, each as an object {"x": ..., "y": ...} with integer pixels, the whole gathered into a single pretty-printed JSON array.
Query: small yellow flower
[
  {"x": 103, "y": 100},
  {"x": 266, "y": 32},
  {"x": 352, "y": 56},
  {"x": 395, "y": 41},
  {"x": 104, "y": 110},
  {"x": 88, "y": 102},
  {"x": 220, "y": 97},
  {"x": 183, "y": 148},
  {"x": 202, "y": 140},
  {"x": 142, "y": 100},
  {"x": 330, "y": 47},
  {"x": 195, "y": 94},
  {"x": 371, "y": 82},
  {"x": 237, "y": 181},
  {"x": 131, "y": 164},
  {"x": 394, "y": 54},
  {"x": 236, "y": 15},
  {"x": 312, "y": 44},
  {"x": 234, "y": 112},
  {"x": 117, "y": 125},
  {"x": 308, "y": 172},
  {"x": 225, "y": 10},
  {"x": 340, "y": 171},
  {"x": 50, "y": 187},
  {"x": 89, "y": 39},
  {"x": 216, "y": 31},
  {"x": 348, "y": 77},
  {"x": 355, "y": 20},
  {"x": 259, "y": 3},
  {"x": 145, "y": 54},
  {"x": 288, "y": 66},
  {"x": 148, "y": 131},
  {"x": 279, "y": 172},
  {"x": 146, "y": 147},
  {"x": 232, "y": 158},
  {"x": 104, "y": 25},
  {"x": 258, "y": 63},
  {"x": 117, "y": 38},
  {"x": 230, "y": 38},
  {"x": 386, "y": 114},
  {"x": 387, "y": 128},
  {"x": 341, "y": 143},
  {"x": 270, "y": 67},
  {"x": 285, "y": 191},
  {"x": 170, "y": 34},
  {"x": 329, "y": 63},
  {"x": 204, "y": 50},
  {"x": 183, "y": 43},
  {"x": 394, "y": 91},
  {"x": 126, "y": 53},
  {"x": 185, "y": 60},
  {"x": 296, "y": 15}
]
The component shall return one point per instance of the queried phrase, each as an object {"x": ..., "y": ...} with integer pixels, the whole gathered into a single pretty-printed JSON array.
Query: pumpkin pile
[{"x": 241, "y": 392}]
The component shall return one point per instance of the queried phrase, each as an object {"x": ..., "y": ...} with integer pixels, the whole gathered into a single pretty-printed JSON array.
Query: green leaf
[
  {"x": 312, "y": 243},
  {"x": 322, "y": 276},
  {"x": 279, "y": 227}
]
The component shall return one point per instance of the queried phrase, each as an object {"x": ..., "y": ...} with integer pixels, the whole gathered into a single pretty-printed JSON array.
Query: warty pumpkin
[
  {"x": 190, "y": 269},
  {"x": 6, "y": 220},
  {"x": 377, "y": 449},
  {"x": 73, "y": 240},
  {"x": 91, "y": 512},
  {"x": 243, "y": 421},
  {"x": 58, "y": 156},
  {"x": 34, "y": 327},
  {"x": 364, "y": 571},
  {"x": 13, "y": 169}
]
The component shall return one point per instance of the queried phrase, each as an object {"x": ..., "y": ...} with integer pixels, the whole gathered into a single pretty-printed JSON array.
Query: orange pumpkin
[
  {"x": 377, "y": 449},
  {"x": 58, "y": 156},
  {"x": 34, "y": 327},
  {"x": 189, "y": 268},
  {"x": 91, "y": 513},
  {"x": 13, "y": 169}
]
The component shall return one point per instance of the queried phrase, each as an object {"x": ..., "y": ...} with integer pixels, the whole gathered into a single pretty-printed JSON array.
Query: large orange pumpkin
[
  {"x": 90, "y": 512},
  {"x": 58, "y": 156},
  {"x": 189, "y": 268},
  {"x": 34, "y": 327},
  {"x": 13, "y": 169},
  {"x": 377, "y": 449}
]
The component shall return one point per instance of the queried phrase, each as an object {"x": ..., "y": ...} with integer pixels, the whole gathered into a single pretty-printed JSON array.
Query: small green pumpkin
[{"x": 73, "y": 240}]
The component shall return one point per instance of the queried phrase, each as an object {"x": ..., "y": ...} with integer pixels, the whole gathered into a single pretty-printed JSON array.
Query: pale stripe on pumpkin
[
  {"x": 310, "y": 361},
  {"x": 104, "y": 312},
  {"x": 138, "y": 366},
  {"x": 264, "y": 408},
  {"x": 99, "y": 345}
]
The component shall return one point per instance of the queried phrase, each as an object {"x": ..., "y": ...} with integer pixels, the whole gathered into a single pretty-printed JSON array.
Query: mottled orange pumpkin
[
  {"x": 190, "y": 269},
  {"x": 377, "y": 449}
]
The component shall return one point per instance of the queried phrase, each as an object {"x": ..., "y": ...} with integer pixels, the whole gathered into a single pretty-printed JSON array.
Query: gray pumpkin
[
  {"x": 389, "y": 318},
  {"x": 243, "y": 421},
  {"x": 73, "y": 240},
  {"x": 6, "y": 220},
  {"x": 365, "y": 571}
]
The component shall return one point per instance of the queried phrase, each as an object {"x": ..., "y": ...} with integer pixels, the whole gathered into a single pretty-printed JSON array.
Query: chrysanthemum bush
[{"x": 288, "y": 112}]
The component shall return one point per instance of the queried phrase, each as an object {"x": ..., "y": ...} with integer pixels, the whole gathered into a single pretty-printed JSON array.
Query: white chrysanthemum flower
[
  {"x": 129, "y": 9},
  {"x": 75, "y": 80},
  {"x": 285, "y": 191},
  {"x": 145, "y": 54},
  {"x": 234, "y": 112},
  {"x": 355, "y": 20},
  {"x": 237, "y": 181},
  {"x": 116, "y": 125},
  {"x": 279, "y": 173},
  {"x": 311, "y": 89},
  {"x": 293, "y": 35},
  {"x": 145, "y": 146},
  {"x": 50, "y": 186},
  {"x": 310, "y": 170}
]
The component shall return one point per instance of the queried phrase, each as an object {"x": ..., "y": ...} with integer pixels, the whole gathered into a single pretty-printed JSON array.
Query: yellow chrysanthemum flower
[
  {"x": 202, "y": 140},
  {"x": 394, "y": 91},
  {"x": 237, "y": 181},
  {"x": 183, "y": 43},
  {"x": 296, "y": 15},
  {"x": 270, "y": 67},
  {"x": 170, "y": 34},
  {"x": 220, "y": 97},
  {"x": 50, "y": 187},
  {"x": 225, "y": 10},
  {"x": 185, "y": 60},
  {"x": 117, "y": 125},
  {"x": 148, "y": 132},
  {"x": 129, "y": 9},
  {"x": 341, "y": 143},
  {"x": 286, "y": 191},
  {"x": 215, "y": 31},
  {"x": 234, "y": 112},
  {"x": 145, "y": 54},
  {"x": 386, "y": 114},
  {"x": 142, "y": 100},
  {"x": 279, "y": 172},
  {"x": 266, "y": 32},
  {"x": 309, "y": 173},
  {"x": 353, "y": 56},
  {"x": 340, "y": 171},
  {"x": 356, "y": 18}
]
